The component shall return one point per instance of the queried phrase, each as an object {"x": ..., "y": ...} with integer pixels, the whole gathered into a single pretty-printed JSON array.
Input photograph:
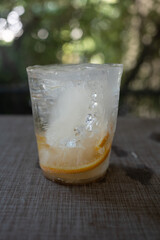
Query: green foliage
[
  {"x": 75, "y": 31},
  {"x": 99, "y": 22}
]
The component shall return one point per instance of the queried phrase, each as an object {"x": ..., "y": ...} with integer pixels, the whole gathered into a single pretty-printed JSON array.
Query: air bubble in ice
[
  {"x": 94, "y": 96},
  {"x": 77, "y": 131},
  {"x": 95, "y": 104},
  {"x": 89, "y": 122},
  {"x": 71, "y": 144},
  {"x": 94, "y": 100},
  {"x": 42, "y": 86}
]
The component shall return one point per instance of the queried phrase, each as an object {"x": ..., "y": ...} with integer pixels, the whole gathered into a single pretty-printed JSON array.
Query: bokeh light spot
[
  {"x": 43, "y": 34},
  {"x": 7, "y": 35},
  {"x": 97, "y": 58},
  {"x": 15, "y": 28},
  {"x": 13, "y": 17},
  {"x": 65, "y": 35},
  {"x": 19, "y": 9},
  {"x": 76, "y": 33},
  {"x": 110, "y": 1},
  {"x": 89, "y": 44},
  {"x": 3, "y": 23}
]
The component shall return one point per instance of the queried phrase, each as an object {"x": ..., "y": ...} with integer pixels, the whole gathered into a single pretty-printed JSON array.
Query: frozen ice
[
  {"x": 78, "y": 110},
  {"x": 71, "y": 102},
  {"x": 68, "y": 115},
  {"x": 79, "y": 99},
  {"x": 75, "y": 113}
]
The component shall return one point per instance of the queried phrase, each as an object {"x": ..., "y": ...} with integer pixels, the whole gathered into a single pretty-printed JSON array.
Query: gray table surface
[{"x": 124, "y": 205}]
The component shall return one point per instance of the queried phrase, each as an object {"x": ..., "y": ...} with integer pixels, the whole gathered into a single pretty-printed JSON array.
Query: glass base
[{"x": 79, "y": 178}]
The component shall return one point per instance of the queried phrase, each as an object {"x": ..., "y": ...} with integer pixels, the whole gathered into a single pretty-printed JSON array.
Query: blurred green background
[{"x": 75, "y": 31}]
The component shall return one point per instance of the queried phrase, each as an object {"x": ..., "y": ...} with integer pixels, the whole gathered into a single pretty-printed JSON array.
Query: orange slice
[
  {"x": 41, "y": 142},
  {"x": 91, "y": 155},
  {"x": 83, "y": 168},
  {"x": 102, "y": 142}
]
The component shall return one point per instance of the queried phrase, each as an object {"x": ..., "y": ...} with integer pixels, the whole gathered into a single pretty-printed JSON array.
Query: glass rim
[{"x": 52, "y": 68}]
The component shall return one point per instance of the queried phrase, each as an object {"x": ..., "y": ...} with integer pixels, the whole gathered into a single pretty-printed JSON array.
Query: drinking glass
[{"x": 75, "y": 111}]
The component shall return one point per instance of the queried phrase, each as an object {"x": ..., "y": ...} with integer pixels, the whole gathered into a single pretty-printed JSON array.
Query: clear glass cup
[{"x": 75, "y": 112}]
